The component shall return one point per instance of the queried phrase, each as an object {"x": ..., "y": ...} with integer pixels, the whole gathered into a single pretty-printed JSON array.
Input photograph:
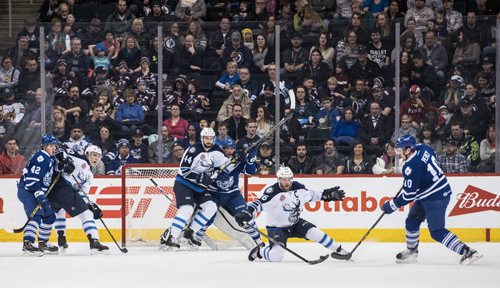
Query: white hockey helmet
[
  {"x": 284, "y": 172},
  {"x": 92, "y": 148},
  {"x": 207, "y": 131}
]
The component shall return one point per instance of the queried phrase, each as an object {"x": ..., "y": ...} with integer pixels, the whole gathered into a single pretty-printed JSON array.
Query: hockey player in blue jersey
[
  {"x": 425, "y": 184},
  {"x": 226, "y": 190},
  {"x": 283, "y": 203},
  {"x": 198, "y": 164},
  {"x": 32, "y": 189}
]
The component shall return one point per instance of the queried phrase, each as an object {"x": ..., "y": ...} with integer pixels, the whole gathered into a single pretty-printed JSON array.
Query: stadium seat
[
  {"x": 207, "y": 82},
  {"x": 84, "y": 12},
  {"x": 211, "y": 65}
]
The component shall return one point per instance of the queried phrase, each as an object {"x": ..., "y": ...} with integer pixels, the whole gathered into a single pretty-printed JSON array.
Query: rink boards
[{"x": 473, "y": 213}]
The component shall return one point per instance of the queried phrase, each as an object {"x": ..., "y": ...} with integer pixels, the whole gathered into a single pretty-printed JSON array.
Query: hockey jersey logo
[
  {"x": 226, "y": 184},
  {"x": 293, "y": 207}
]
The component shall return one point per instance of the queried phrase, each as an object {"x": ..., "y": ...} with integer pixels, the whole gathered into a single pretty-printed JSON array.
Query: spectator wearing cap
[
  {"x": 415, "y": 106},
  {"x": 145, "y": 74},
  {"x": 131, "y": 53},
  {"x": 177, "y": 126},
  {"x": 77, "y": 140},
  {"x": 302, "y": 163},
  {"x": 267, "y": 99},
  {"x": 177, "y": 153},
  {"x": 467, "y": 144},
  {"x": 470, "y": 118},
  {"x": 13, "y": 109},
  {"x": 145, "y": 96},
  {"x": 451, "y": 161},
  {"x": 423, "y": 74},
  {"x": 237, "y": 52},
  {"x": 114, "y": 167},
  {"x": 138, "y": 149},
  {"x": 467, "y": 53},
  {"x": 222, "y": 137},
  {"x": 75, "y": 108},
  {"x": 9, "y": 76},
  {"x": 61, "y": 78},
  {"x": 384, "y": 97},
  {"x": 237, "y": 97},
  {"x": 121, "y": 20},
  {"x": 194, "y": 100},
  {"x": 315, "y": 69},
  {"x": 453, "y": 93},
  {"x": 187, "y": 60},
  {"x": 165, "y": 152},
  {"x": 123, "y": 79},
  {"x": 364, "y": 67},
  {"x": 265, "y": 159},
  {"x": 294, "y": 58},
  {"x": 487, "y": 67},
  {"x": 157, "y": 16}
]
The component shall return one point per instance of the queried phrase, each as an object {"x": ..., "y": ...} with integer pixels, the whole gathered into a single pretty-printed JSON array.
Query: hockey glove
[
  {"x": 252, "y": 155},
  {"x": 66, "y": 165},
  {"x": 204, "y": 179},
  {"x": 241, "y": 156},
  {"x": 48, "y": 213},
  {"x": 390, "y": 206},
  {"x": 95, "y": 210},
  {"x": 333, "y": 194},
  {"x": 244, "y": 216}
]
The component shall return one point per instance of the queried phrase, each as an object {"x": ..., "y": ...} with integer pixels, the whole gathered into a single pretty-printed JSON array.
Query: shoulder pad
[{"x": 297, "y": 186}]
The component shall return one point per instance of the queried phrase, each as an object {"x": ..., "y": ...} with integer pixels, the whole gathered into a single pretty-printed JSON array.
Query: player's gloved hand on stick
[
  {"x": 66, "y": 165},
  {"x": 244, "y": 216},
  {"x": 252, "y": 155},
  {"x": 95, "y": 210},
  {"x": 390, "y": 206},
  {"x": 241, "y": 155},
  {"x": 204, "y": 179},
  {"x": 333, "y": 194}
]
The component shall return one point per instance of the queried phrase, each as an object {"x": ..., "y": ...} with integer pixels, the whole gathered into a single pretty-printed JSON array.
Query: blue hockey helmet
[
  {"x": 406, "y": 141},
  {"x": 229, "y": 143},
  {"x": 48, "y": 139}
]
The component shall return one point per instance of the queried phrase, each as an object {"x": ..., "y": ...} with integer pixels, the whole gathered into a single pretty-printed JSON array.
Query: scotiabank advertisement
[{"x": 474, "y": 210}]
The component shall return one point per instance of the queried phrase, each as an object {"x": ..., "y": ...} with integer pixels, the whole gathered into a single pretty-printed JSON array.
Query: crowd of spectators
[{"x": 218, "y": 62}]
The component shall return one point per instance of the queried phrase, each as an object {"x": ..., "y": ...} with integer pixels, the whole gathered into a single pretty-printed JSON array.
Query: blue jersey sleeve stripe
[{"x": 32, "y": 179}]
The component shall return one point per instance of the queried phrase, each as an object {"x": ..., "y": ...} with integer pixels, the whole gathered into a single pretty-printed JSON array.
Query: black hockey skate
[
  {"x": 341, "y": 254},
  {"x": 96, "y": 247},
  {"x": 255, "y": 252},
  {"x": 470, "y": 256},
  {"x": 30, "y": 250},
  {"x": 191, "y": 240},
  {"x": 167, "y": 242},
  {"x": 61, "y": 241},
  {"x": 407, "y": 256},
  {"x": 47, "y": 248}
]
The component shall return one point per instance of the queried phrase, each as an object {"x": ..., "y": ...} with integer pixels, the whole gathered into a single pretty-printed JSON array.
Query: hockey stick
[
  {"x": 311, "y": 262},
  {"x": 19, "y": 230},
  {"x": 161, "y": 190},
  {"x": 371, "y": 228},
  {"x": 83, "y": 194}
]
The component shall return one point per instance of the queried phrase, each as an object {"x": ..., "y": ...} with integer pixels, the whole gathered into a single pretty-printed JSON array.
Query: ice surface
[{"x": 372, "y": 266}]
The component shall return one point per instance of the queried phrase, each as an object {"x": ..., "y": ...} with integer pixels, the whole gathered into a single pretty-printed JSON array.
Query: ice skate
[
  {"x": 47, "y": 248},
  {"x": 167, "y": 242},
  {"x": 341, "y": 254},
  {"x": 407, "y": 256},
  {"x": 470, "y": 256},
  {"x": 30, "y": 250},
  {"x": 190, "y": 240},
  {"x": 255, "y": 252},
  {"x": 96, "y": 247},
  {"x": 61, "y": 241}
]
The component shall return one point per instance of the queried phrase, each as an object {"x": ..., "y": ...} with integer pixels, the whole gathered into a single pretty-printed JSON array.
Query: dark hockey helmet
[{"x": 406, "y": 141}]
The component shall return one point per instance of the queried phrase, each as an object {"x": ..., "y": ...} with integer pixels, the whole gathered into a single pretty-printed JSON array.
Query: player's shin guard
[
  {"x": 44, "y": 233},
  {"x": 319, "y": 236},
  {"x": 31, "y": 230},
  {"x": 273, "y": 254},
  {"x": 203, "y": 216},
  {"x": 412, "y": 239},
  {"x": 251, "y": 229},
  {"x": 450, "y": 240},
  {"x": 180, "y": 220},
  {"x": 88, "y": 224}
]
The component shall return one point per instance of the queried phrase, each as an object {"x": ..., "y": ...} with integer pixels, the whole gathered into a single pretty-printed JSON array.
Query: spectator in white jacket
[{"x": 386, "y": 164}]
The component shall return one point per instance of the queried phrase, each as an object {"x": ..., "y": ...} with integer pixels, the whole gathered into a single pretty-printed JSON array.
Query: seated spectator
[
  {"x": 237, "y": 52},
  {"x": 336, "y": 93},
  {"x": 121, "y": 20},
  {"x": 385, "y": 98},
  {"x": 9, "y": 76},
  {"x": 107, "y": 143},
  {"x": 156, "y": 16},
  {"x": 294, "y": 58},
  {"x": 250, "y": 87},
  {"x": 485, "y": 87},
  {"x": 467, "y": 53},
  {"x": 98, "y": 118},
  {"x": 237, "y": 97},
  {"x": 194, "y": 100},
  {"x": 229, "y": 77},
  {"x": 129, "y": 114},
  {"x": 138, "y": 149},
  {"x": 13, "y": 109},
  {"x": 330, "y": 161},
  {"x": 145, "y": 96},
  {"x": 364, "y": 67},
  {"x": 6, "y": 128},
  {"x": 347, "y": 128},
  {"x": 59, "y": 41},
  {"x": 177, "y": 126},
  {"x": 192, "y": 137},
  {"x": 423, "y": 74},
  {"x": 305, "y": 108},
  {"x": 430, "y": 137},
  {"x": 200, "y": 39},
  {"x": 315, "y": 69},
  {"x": 78, "y": 62},
  {"x": 154, "y": 149},
  {"x": 11, "y": 161},
  {"x": 357, "y": 23},
  {"x": 386, "y": 164},
  {"x": 94, "y": 33},
  {"x": 259, "y": 53},
  {"x": 114, "y": 167},
  {"x": 453, "y": 93},
  {"x": 131, "y": 53},
  {"x": 405, "y": 128},
  {"x": 307, "y": 21},
  {"x": 145, "y": 74},
  {"x": 301, "y": 163},
  {"x": 358, "y": 162},
  {"x": 77, "y": 140},
  {"x": 236, "y": 123},
  {"x": 466, "y": 143},
  {"x": 326, "y": 118},
  {"x": 478, "y": 102},
  {"x": 475, "y": 122},
  {"x": 187, "y": 60},
  {"x": 375, "y": 129},
  {"x": 177, "y": 153},
  {"x": 487, "y": 150},
  {"x": 264, "y": 122},
  {"x": 415, "y": 107},
  {"x": 187, "y": 10},
  {"x": 420, "y": 14},
  {"x": 221, "y": 38},
  {"x": 451, "y": 161},
  {"x": 75, "y": 108},
  {"x": 325, "y": 47},
  {"x": 265, "y": 159},
  {"x": 58, "y": 123},
  {"x": 436, "y": 53},
  {"x": 139, "y": 32},
  {"x": 222, "y": 136},
  {"x": 29, "y": 79}
]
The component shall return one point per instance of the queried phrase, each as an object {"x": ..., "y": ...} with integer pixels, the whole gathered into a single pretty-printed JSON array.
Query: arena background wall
[{"x": 473, "y": 213}]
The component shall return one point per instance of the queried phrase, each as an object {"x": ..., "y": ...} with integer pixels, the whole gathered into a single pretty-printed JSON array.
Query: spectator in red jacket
[
  {"x": 415, "y": 106},
  {"x": 11, "y": 162}
]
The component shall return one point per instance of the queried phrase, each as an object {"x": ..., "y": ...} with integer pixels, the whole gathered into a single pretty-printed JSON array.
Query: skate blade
[
  {"x": 166, "y": 248},
  {"x": 62, "y": 249},
  {"x": 32, "y": 254},
  {"x": 99, "y": 252},
  {"x": 472, "y": 259},
  {"x": 407, "y": 261},
  {"x": 45, "y": 252}
]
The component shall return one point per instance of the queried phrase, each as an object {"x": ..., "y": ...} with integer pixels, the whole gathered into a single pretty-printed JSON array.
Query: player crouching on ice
[
  {"x": 32, "y": 189},
  {"x": 283, "y": 202},
  {"x": 426, "y": 185}
]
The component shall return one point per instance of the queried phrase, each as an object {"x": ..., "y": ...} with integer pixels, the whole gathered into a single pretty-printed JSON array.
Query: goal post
[{"x": 146, "y": 212}]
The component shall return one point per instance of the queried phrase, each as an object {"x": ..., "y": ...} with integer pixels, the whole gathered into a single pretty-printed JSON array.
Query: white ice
[{"x": 143, "y": 267}]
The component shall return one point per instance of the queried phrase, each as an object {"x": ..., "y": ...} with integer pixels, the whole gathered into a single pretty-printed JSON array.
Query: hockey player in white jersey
[
  {"x": 283, "y": 202},
  {"x": 427, "y": 187},
  {"x": 198, "y": 164},
  {"x": 32, "y": 189},
  {"x": 69, "y": 198}
]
